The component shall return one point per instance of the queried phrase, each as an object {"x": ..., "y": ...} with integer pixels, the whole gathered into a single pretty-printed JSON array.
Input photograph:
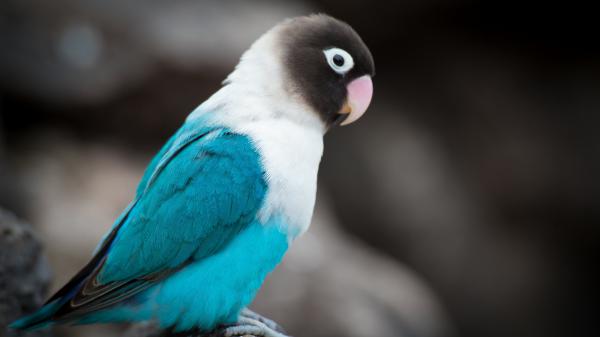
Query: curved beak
[{"x": 360, "y": 92}]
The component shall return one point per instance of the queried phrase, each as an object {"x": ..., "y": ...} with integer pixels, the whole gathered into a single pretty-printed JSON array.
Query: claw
[
  {"x": 243, "y": 330},
  {"x": 247, "y": 313},
  {"x": 252, "y": 324}
]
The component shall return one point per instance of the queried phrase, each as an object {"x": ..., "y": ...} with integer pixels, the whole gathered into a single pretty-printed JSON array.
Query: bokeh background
[{"x": 465, "y": 203}]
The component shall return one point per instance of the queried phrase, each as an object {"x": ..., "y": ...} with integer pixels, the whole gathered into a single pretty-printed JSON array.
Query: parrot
[{"x": 224, "y": 198}]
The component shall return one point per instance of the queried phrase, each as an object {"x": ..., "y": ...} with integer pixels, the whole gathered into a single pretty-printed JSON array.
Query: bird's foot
[
  {"x": 247, "y": 313},
  {"x": 253, "y": 324}
]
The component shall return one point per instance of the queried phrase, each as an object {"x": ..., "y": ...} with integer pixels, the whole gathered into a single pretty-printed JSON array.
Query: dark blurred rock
[
  {"x": 24, "y": 273},
  {"x": 10, "y": 194}
]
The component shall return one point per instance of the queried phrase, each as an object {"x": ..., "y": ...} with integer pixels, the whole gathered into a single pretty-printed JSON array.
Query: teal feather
[
  {"x": 203, "y": 195},
  {"x": 37, "y": 320},
  {"x": 211, "y": 291},
  {"x": 191, "y": 230}
]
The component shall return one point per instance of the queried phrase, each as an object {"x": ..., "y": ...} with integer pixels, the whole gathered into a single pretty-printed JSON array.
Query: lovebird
[{"x": 222, "y": 201}]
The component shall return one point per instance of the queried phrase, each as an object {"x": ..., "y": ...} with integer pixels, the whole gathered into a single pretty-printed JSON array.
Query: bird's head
[{"x": 317, "y": 60}]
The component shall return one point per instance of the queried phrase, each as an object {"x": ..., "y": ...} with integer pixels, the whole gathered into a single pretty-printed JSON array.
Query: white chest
[{"x": 290, "y": 154}]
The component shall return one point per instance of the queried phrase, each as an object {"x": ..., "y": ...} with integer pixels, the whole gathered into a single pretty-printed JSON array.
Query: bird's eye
[{"x": 339, "y": 60}]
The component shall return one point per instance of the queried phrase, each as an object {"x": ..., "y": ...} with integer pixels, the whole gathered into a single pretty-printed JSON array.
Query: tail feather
[
  {"x": 58, "y": 309},
  {"x": 50, "y": 311},
  {"x": 39, "y": 319}
]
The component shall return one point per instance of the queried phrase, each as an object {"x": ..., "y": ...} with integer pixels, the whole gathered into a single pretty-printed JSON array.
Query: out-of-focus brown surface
[{"x": 464, "y": 203}]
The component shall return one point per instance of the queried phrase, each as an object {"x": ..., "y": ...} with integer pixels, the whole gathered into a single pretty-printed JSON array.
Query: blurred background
[{"x": 465, "y": 203}]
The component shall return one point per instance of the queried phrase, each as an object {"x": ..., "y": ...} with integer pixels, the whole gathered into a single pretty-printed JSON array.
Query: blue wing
[
  {"x": 196, "y": 199},
  {"x": 202, "y": 188}
]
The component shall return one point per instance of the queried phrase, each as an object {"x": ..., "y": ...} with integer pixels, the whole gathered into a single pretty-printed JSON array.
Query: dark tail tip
[{"x": 38, "y": 320}]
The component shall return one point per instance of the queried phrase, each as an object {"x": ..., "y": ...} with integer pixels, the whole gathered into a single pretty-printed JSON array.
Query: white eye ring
[{"x": 333, "y": 58}]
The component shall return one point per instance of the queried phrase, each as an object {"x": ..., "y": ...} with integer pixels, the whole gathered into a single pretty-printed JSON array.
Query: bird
[{"x": 226, "y": 196}]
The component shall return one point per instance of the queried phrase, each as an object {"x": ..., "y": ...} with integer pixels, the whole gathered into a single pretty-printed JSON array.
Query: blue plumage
[
  {"x": 198, "y": 196},
  {"x": 190, "y": 250},
  {"x": 218, "y": 206},
  {"x": 210, "y": 291}
]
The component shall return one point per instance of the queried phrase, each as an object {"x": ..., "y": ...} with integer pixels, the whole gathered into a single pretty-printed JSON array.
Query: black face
[{"x": 322, "y": 55}]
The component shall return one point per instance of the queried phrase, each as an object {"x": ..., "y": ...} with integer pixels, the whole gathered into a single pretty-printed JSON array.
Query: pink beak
[{"x": 360, "y": 92}]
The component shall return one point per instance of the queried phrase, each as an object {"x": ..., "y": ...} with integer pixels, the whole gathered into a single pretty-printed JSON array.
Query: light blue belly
[{"x": 212, "y": 291}]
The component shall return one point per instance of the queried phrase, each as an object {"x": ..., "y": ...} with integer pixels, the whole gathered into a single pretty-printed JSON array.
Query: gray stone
[{"x": 24, "y": 273}]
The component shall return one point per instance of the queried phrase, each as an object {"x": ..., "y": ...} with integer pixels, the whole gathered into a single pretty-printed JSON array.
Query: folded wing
[{"x": 204, "y": 187}]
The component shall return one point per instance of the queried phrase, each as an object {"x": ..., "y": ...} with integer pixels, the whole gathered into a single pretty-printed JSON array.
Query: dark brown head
[
  {"x": 314, "y": 70},
  {"x": 328, "y": 65}
]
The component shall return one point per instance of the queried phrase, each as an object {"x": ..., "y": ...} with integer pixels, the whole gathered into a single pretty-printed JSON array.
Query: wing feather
[{"x": 205, "y": 187}]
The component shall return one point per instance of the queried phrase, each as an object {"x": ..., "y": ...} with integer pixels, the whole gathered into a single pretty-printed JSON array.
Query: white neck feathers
[{"x": 287, "y": 133}]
